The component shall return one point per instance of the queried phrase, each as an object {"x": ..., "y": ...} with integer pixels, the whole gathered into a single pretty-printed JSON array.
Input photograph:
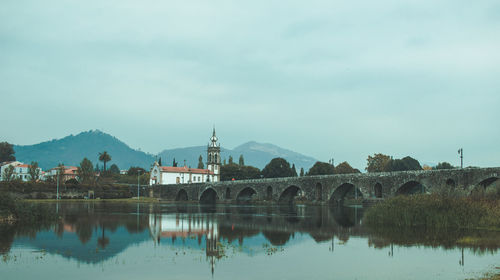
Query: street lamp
[{"x": 138, "y": 176}]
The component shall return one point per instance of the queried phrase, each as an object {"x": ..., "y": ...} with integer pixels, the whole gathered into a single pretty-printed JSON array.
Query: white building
[
  {"x": 20, "y": 170},
  {"x": 165, "y": 175}
]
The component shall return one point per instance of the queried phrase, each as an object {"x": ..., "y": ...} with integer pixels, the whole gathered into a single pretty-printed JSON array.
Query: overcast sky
[{"x": 341, "y": 79}]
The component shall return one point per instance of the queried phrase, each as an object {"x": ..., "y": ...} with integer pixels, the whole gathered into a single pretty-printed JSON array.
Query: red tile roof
[{"x": 185, "y": 169}]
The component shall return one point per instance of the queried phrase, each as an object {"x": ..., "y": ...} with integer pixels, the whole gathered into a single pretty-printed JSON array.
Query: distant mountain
[
  {"x": 72, "y": 149},
  {"x": 259, "y": 154},
  {"x": 254, "y": 153}
]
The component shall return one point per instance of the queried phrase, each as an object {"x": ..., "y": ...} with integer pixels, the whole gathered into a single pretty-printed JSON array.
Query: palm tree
[{"x": 104, "y": 157}]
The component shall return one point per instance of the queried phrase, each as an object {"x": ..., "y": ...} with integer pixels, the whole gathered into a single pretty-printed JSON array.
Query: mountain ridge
[{"x": 70, "y": 150}]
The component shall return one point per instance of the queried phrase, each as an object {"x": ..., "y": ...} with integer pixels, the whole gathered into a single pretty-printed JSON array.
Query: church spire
[{"x": 213, "y": 139}]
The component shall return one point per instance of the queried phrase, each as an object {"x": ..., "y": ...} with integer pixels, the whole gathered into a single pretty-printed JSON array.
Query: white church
[{"x": 165, "y": 175}]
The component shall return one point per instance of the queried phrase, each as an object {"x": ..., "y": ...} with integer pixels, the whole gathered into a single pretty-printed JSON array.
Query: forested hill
[{"x": 72, "y": 149}]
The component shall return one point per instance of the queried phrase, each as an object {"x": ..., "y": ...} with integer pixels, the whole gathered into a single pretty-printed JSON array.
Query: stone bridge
[{"x": 330, "y": 188}]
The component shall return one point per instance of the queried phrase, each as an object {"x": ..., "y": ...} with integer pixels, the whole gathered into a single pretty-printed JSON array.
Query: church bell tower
[{"x": 213, "y": 158}]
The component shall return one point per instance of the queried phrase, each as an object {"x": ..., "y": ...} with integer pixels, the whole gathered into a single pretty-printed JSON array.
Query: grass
[
  {"x": 21, "y": 212},
  {"x": 436, "y": 212}
]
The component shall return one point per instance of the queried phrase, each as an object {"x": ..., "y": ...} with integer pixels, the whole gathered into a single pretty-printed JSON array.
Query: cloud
[{"x": 322, "y": 78}]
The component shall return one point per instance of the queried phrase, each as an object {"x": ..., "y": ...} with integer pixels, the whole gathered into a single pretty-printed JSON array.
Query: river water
[{"x": 99, "y": 240}]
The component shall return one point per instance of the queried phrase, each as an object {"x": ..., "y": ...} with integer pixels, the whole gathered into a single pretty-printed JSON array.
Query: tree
[
  {"x": 250, "y": 172},
  {"x": 301, "y": 171},
  {"x": 34, "y": 171},
  {"x": 229, "y": 172},
  {"x": 174, "y": 163},
  {"x": 97, "y": 169},
  {"x": 114, "y": 169},
  {"x": 104, "y": 157},
  {"x": 135, "y": 170},
  {"x": 200, "y": 163},
  {"x": 238, "y": 172},
  {"x": 378, "y": 163},
  {"x": 230, "y": 160},
  {"x": 8, "y": 173},
  {"x": 7, "y": 152},
  {"x": 345, "y": 168},
  {"x": 159, "y": 162},
  {"x": 224, "y": 162},
  {"x": 321, "y": 168},
  {"x": 85, "y": 171},
  {"x": 277, "y": 167},
  {"x": 241, "y": 161},
  {"x": 294, "y": 171},
  {"x": 444, "y": 165},
  {"x": 404, "y": 164}
]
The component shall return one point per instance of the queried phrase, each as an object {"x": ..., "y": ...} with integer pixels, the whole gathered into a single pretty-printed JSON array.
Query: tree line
[{"x": 277, "y": 167}]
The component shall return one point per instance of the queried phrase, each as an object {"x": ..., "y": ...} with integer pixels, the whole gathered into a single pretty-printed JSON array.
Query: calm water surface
[{"x": 127, "y": 241}]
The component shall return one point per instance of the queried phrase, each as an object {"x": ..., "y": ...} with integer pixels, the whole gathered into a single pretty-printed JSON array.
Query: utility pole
[
  {"x": 461, "y": 153},
  {"x": 138, "y": 176}
]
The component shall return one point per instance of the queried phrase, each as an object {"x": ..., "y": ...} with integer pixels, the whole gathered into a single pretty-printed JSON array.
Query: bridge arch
[
  {"x": 488, "y": 182},
  {"x": 377, "y": 190},
  {"x": 228, "y": 194},
  {"x": 209, "y": 195},
  {"x": 288, "y": 195},
  {"x": 411, "y": 187},
  {"x": 181, "y": 195},
  {"x": 245, "y": 195},
  {"x": 319, "y": 192},
  {"x": 346, "y": 189}
]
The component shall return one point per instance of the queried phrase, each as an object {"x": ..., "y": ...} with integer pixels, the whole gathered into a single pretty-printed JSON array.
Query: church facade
[{"x": 166, "y": 175}]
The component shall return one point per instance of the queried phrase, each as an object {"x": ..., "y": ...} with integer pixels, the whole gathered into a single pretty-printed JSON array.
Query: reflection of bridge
[
  {"x": 322, "y": 189},
  {"x": 277, "y": 224}
]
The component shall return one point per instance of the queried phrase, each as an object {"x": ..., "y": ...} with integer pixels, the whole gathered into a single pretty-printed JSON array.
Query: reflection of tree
[
  {"x": 103, "y": 241},
  {"x": 277, "y": 238},
  {"x": 236, "y": 233},
  {"x": 84, "y": 232},
  {"x": 6, "y": 238}
]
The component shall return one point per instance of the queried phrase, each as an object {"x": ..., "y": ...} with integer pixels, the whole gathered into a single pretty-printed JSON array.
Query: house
[
  {"x": 69, "y": 172},
  {"x": 165, "y": 175},
  {"x": 21, "y": 170}
]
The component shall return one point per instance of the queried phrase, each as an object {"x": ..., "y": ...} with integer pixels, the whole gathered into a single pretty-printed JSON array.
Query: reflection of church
[
  {"x": 165, "y": 175},
  {"x": 182, "y": 226}
]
